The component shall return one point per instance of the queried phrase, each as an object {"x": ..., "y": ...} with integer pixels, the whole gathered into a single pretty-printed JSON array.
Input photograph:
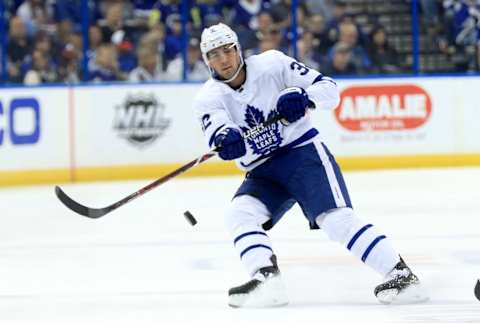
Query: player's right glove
[
  {"x": 230, "y": 144},
  {"x": 292, "y": 104}
]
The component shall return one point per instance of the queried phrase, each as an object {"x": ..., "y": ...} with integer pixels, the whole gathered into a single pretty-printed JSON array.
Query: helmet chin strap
[{"x": 219, "y": 78}]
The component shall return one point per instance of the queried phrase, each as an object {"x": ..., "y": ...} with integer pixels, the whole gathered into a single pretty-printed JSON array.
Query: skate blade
[
  {"x": 271, "y": 293},
  {"x": 413, "y": 294}
]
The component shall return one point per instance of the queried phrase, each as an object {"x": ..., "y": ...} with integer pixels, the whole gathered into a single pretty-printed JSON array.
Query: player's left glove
[{"x": 292, "y": 103}]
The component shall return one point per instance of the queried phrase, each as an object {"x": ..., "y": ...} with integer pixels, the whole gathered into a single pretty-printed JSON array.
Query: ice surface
[{"x": 144, "y": 263}]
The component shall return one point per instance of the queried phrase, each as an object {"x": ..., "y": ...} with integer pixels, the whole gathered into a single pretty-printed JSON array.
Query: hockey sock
[
  {"x": 363, "y": 239},
  {"x": 243, "y": 220}
]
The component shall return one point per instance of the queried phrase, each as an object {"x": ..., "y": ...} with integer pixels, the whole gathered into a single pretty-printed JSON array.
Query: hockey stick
[{"x": 95, "y": 213}]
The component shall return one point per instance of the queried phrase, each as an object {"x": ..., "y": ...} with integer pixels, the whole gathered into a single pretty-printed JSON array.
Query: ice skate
[
  {"x": 266, "y": 289},
  {"x": 401, "y": 287}
]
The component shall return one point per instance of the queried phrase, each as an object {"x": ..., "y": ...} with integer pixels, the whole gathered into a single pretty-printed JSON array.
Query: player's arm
[
  {"x": 305, "y": 87},
  {"x": 321, "y": 90},
  {"x": 219, "y": 130}
]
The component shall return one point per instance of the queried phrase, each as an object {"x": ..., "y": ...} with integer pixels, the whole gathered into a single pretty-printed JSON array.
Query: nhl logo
[{"x": 140, "y": 119}]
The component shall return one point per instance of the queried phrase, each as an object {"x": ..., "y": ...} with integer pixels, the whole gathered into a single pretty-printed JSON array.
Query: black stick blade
[
  {"x": 477, "y": 290},
  {"x": 78, "y": 208}
]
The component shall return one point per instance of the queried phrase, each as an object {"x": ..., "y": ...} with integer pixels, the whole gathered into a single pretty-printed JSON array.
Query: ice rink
[{"x": 144, "y": 263}]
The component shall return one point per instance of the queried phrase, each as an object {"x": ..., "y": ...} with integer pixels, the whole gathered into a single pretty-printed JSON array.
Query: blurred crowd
[{"x": 142, "y": 40}]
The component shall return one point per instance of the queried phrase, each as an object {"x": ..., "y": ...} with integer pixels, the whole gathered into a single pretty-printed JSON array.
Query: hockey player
[{"x": 286, "y": 163}]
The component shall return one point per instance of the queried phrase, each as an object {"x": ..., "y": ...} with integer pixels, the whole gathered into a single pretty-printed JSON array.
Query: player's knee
[
  {"x": 245, "y": 210},
  {"x": 338, "y": 223}
]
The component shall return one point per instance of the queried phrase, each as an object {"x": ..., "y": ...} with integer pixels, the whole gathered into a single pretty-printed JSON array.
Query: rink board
[{"x": 122, "y": 131}]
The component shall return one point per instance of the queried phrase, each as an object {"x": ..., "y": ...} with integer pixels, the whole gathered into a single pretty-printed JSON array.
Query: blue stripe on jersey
[
  {"x": 253, "y": 247},
  {"x": 370, "y": 247},
  {"x": 318, "y": 78},
  {"x": 247, "y": 234},
  {"x": 212, "y": 137},
  {"x": 321, "y": 77},
  {"x": 306, "y": 136},
  {"x": 357, "y": 235}
]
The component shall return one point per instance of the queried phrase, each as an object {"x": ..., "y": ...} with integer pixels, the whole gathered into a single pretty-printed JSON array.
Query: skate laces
[
  {"x": 399, "y": 273},
  {"x": 264, "y": 273}
]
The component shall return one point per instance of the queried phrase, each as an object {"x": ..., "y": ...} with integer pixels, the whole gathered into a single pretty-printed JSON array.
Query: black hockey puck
[
  {"x": 190, "y": 217},
  {"x": 477, "y": 290}
]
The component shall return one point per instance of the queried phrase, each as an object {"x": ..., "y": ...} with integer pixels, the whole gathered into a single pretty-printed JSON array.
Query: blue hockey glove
[
  {"x": 292, "y": 104},
  {"x": 230, "y": 143}
]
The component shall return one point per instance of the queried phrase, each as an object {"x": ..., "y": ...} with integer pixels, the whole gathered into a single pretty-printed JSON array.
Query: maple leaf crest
[{"x": 254, "y": 117}]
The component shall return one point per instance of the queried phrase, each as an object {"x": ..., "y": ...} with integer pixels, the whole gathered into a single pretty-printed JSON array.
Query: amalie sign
[{"x": 383, "y": 108}]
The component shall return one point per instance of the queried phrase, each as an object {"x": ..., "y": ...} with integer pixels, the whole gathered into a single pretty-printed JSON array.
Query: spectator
[
  {"x": 155, "y": 39},
  {"x": 265, "y": 22},
  {"x": 18, "y": 41},
  {"x": 36, "y": 14},
  {"x": 68, "y": 67},
  {"x": 197, "y": 70},
  {"x": 302, "y": 18},
  {"x": 70, "y": 10},
  {"x": 245, "y": 13},
  {"x": 114, "y": 31},
  {"x": 64, "y": 31},
  {"x": 349, "y": 35},
  {"x": 19, "y": 48},
  {"x": 95, "y": 40},
  {"x": 43, "y": 43},
  {"x": 431, "y": 14},
  {"x": 250, "y": 38},
  {"x": 113, "y": 24},
  {"x": 458, "y": 14},
  {"x": 103, "y": 6},
  {"x": 42, "y": 71},
  {"x": 341, "y": 62},
  {"x": 206, "y": 13},
  {"x": 127, "y": 59},
  {"x": 148, "y": 68},
  {"x": 464, "y": 18},
  {"x": 281, "y": 12},
  {"x": 323, "y": 8},
  {"x": 321, "y": 40},
  {"x": 173, "y": 41},
  {"x": 339, "y": 12},
  {"x": 272, "y": 39},
  {"x": 306, "y": 53},
  {"x": 266, "y": 44},
  {"x": 106, "y": 65},
  {"x": 384, "y": 58},
  {"x": 170, "y": 12}
]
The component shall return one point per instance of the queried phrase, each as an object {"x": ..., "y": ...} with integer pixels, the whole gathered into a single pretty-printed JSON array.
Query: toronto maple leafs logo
[{"x": 268, "y": 138}]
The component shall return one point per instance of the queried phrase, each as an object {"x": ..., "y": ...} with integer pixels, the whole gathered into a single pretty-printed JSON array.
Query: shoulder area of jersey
[
  {"x": 209, "y": 90},
  {"x": 268, "y": 60},
  {"x": 271, "y": 55}
]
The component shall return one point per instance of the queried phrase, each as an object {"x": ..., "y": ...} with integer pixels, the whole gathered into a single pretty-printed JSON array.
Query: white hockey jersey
[{"x": 218, "y": 106}]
